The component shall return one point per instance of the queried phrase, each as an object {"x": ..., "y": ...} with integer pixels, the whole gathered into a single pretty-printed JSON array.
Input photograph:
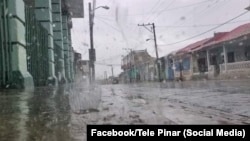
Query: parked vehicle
[{"x": 115, "y": 80}]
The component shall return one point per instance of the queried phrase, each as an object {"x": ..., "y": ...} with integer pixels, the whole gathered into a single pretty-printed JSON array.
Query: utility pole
[
  {"x": 105, "y": 77},
  {"x": 92, "y": 55},
  {"x": 112, "y": 70},
  {"x": 152, "y": 30},
  {"x": 92, "y": 52}
]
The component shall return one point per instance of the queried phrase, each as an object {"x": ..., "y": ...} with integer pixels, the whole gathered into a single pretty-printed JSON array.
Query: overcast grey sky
[{"x": 175, "y": 20}]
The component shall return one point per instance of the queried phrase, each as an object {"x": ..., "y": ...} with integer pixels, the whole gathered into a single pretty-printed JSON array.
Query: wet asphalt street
[{"x": 58, "y": 114}]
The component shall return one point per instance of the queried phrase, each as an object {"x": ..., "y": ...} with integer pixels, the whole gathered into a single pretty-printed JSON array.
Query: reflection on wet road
[
  {"x": 42, "y": 114},
  {"x": 61, "y": 114}
]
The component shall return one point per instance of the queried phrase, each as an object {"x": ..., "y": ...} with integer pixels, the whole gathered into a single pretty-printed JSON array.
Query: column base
[
  {"x": 72, "y": 79},
  {"x": 62, "y": 81},
  {"x": 52, "y": 81},
  {"x": 61, "y": 78},
  {"x": 69, "y": 80},
  {"x": 22, "y": 80}
]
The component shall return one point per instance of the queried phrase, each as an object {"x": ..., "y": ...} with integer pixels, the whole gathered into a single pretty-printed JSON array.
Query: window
[
  {"x": 177, "y": 66},
  {"x": 202, "y": 65},
  {"x": 213, "y": 60},
  {"x": 222, "y": 59},
  {"x": 171, "y": 63},
  {"x": 247, "y": 53},
  {"x": 186, "y": 64},
  {"x": 230, "y": 56},
  {"x": 140, "y": 58}
]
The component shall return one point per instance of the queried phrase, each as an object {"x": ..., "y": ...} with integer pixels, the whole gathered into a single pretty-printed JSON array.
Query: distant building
[
  {"x": 82, "y": 70},
  {"x": 138, "y": 65},
  {"x": 77, "y": 57}
]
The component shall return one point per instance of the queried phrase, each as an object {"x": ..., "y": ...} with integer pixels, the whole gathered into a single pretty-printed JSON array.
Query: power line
[
  {"x": 170, "y": 4},
  {"x": 205, "y": 25},
  {"x": 181, "y": 22},
  {"x": 165, "y": 10},
  {"x": 207, "y": 30},
  {"x": 151, "y": 10},
  {"x": 118, "y": 30},
  {"x": 109, "y": 25},
  {"x": 112, "y": 57},
  {"x": 171, "y": 9},
  {"x": 106, "y": 18},
  {"x": 216, "y": 4},
  {"x": 160, "y": 4},
  {"x": 213, "y": 7},
  {"x": 105, "y": 64}
]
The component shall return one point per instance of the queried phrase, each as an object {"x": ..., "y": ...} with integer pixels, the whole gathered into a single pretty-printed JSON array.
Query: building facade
[
  {"x": 223, "y": 56},
  {"x": 36, "y": 48}
]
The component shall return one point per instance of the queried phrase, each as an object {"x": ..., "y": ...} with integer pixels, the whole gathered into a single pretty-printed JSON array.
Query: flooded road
[
  {"x": 61, "y": 114},
  {"x": 42, "y": 114}
]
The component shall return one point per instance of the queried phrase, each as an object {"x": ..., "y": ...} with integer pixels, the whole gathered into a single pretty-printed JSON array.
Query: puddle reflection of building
[{"x": 23, "y": 114}]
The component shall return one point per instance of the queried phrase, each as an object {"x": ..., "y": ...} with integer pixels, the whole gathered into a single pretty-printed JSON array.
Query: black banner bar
[{"x": 165, "y": 132}]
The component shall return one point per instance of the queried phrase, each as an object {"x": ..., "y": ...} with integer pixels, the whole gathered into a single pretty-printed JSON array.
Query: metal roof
[
  {"x": 227, "y": 36},
  {"x": 236, "y": 33},
  {"x": 217, "y": 37},
  {"x": 193, "y": 46}
]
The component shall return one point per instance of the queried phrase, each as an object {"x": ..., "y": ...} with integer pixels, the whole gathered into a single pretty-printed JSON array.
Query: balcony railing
[{"x": 238, "y": 65}]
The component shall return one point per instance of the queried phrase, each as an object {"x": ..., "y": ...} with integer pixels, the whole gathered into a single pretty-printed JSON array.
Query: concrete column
[
  {"x": 21, "y": 76},
  {"x": 174, "y": 68},
  {"x": 191, "y": 64},
  {"x": 58, "y": 37},
  {"x": 225, "y": 57},
  {"x": 166, "y": 67},
  {"x": 72, "y": 64},
  {"x": 44, "y": 16},
  {"x": 208, "y": 58},
  {"x": 208, "y": 65},
  {"x": 195, "y": 62},
  {"x": 71, "y": 56},
  {"x": 66, "y": 47}
]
